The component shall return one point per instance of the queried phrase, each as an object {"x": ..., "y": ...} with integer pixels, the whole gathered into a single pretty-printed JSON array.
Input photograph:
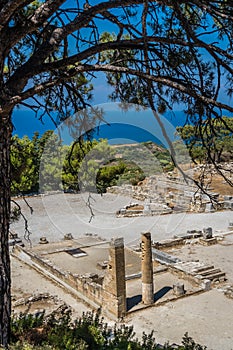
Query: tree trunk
[{"x": 5, "y": 276}]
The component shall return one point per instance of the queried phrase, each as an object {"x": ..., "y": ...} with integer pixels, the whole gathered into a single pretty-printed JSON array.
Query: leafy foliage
[
  {"x": 218, "y": 138},
  {"x": 87, "y": 165},
  {"x": 83, "y": 161},
  {"x": 25, "y": 155},
  {"x": 89, "y": 332}
]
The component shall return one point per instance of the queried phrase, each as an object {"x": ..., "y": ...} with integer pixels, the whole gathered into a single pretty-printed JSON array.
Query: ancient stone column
[
  {"x": 114, "y": 280},
  {"x": 147, "y": 270}
]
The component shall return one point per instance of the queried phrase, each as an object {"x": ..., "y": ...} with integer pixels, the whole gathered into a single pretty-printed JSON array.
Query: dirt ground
[
  {"x": 216, "y": 182},
  {"x": 56, "y": 215},
  {"x": 220, "y": 186},
  {"x": 26, "y": 282},
  {"x": 206, "y": 317}
]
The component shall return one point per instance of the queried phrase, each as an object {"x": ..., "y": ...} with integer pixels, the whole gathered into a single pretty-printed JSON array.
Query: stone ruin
[
  {"x": 166, "y": 194},
  {"x": 114, "y": 281},
  {"x": 228, "y": 202},
  {"x": 149, "y": 208},
  {"x": 109, "y": 291},
  {"x": 14, "y": 239}
]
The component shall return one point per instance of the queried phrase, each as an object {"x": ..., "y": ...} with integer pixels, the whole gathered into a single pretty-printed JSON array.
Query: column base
[{"x": 147, "y": 293}]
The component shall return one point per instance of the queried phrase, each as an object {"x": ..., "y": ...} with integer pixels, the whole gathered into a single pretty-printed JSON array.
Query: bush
[{"x": 58, "y": 332}]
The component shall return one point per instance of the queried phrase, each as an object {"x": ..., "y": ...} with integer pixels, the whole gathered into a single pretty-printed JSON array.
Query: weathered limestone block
[
  {"x": 209, "y": 208},
  {"x": 208, "y": 241},
  {"x": 206, "y": 284},
  {"x": 102, "y": 264},
  {"x": 178, "y": 289},
  {"x": 147, "y": 209},
  {"x": 114, "y": 280},
  {"x": 68, "y": 236},
  {"x": 207, "y": 232}
]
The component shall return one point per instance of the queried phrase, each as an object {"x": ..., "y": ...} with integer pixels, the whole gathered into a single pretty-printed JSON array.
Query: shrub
[{"x": 89, "y": 332}]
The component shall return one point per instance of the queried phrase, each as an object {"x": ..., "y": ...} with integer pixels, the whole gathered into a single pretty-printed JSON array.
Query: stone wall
[{"x": 83, "y": 287}]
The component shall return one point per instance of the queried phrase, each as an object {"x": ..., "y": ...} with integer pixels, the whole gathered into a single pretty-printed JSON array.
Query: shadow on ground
[{"x": 136, "y": 299}]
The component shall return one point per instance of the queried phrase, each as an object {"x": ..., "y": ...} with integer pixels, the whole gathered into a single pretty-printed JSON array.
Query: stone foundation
[{"x": 110, "y": 296}]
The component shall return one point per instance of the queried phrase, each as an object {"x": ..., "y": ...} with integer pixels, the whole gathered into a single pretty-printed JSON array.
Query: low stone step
[
  {"x": 210, "y": 272},
  {"x": 203, "y": 268},
  {"x": 214, "y": 276}
]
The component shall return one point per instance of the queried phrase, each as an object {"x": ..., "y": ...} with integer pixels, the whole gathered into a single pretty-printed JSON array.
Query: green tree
[
  {"x": 23, "y": 165},
  {"x": 218, "y": 137},
  {"x": 82, "y": 163},
  {"x": 51, "y": 164},
  {"x": 25, "y": 157},
  {"x": 109, "y": 175},
  {"x": 162, "y": 50}
]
